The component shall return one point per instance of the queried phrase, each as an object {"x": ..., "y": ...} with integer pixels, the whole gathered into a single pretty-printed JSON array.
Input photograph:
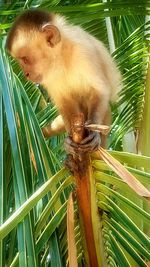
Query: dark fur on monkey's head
[{"x": 30, "y": 20}]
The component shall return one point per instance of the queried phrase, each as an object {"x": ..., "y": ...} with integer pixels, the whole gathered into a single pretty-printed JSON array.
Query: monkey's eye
[{"x": 25, "y": 60}]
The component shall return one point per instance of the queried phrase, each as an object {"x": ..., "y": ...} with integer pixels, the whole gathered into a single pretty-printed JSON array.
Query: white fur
[
  {"x": 88, "y": 60},
  {"x": 77, "y": 65}
]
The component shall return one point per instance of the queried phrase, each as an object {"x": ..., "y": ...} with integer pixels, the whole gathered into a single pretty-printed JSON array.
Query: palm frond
[
  {"x": 31, "y": 164},
  {"x": 120, "y": 207},
  {"x": 33, "y": 187},
  {"x": 132, "y": 56}
]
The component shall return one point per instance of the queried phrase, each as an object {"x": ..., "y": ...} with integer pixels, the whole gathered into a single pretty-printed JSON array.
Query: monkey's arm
[{"x": 56, "y": 127}]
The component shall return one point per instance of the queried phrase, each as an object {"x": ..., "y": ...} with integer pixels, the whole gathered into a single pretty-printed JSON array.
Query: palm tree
[{"x": 34, "y": 186}]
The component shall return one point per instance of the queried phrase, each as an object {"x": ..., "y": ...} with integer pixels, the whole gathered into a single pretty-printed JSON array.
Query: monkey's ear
[{"x": 52, "y": 34}]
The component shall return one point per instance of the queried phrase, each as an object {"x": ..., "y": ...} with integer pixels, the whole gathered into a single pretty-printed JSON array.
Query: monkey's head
[{"x": 34, "y": 42}]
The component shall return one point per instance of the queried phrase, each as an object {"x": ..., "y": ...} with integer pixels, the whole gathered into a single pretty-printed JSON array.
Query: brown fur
[{"x": 74, "y": 67}]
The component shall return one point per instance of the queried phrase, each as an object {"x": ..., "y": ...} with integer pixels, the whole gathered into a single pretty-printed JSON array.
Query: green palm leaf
[{"x": 33, "y": 187}]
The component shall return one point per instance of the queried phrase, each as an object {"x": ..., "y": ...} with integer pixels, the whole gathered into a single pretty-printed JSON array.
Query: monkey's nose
[{"x": 27, "y": 74}]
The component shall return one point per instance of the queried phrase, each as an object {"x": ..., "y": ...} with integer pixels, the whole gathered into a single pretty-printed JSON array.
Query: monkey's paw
[
  {"x": 70, "y": 146},
  {"x": 91, "y": 143}
]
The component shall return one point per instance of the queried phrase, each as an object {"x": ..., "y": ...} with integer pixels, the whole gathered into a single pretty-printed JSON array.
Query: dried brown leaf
[
  {"x": 72, "y": 251},
  {"x": 103, "y": 129},
  {"x": 122, "y": 172}
]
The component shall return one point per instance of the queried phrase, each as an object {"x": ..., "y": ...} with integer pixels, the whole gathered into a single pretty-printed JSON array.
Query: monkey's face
[
  {"x": 36, "y": 52},
  {"x": 34, "y": 61},
  {"x": 28, "y": 61}
]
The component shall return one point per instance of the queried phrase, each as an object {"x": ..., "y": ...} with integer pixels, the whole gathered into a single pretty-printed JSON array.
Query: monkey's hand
[
  {"x": 57, "y": 126},
  {"x": 90, "y": 143},
  {"x": 70, "y": 146},
  {"x": 74, "y": 161}
]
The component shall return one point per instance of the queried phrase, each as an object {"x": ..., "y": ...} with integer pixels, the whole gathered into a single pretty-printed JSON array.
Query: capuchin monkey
[{"x": 73, "y": 66}]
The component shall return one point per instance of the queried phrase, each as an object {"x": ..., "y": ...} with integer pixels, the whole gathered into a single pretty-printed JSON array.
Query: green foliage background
[{"x": 34, "y": 187}]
